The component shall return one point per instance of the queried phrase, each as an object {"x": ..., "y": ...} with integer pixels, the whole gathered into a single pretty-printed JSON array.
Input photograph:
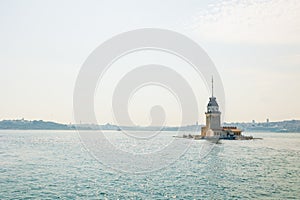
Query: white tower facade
[{"x": 213, "y": 117}]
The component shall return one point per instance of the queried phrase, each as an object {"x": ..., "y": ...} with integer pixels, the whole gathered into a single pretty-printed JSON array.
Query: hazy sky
[{"x": 255, "y": 45}]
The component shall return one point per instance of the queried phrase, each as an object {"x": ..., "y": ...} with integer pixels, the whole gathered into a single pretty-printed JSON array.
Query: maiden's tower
[{"x": 213, "y": 126}]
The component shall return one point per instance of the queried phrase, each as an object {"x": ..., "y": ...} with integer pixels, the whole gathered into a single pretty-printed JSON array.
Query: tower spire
[{"x": 212, "y": 86}]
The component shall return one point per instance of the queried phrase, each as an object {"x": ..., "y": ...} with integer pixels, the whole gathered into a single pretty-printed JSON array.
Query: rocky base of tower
[{"x": 216, "y": 138}]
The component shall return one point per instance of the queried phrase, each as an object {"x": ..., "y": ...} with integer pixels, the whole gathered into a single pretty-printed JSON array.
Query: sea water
[{"x": 56, "y": 165}]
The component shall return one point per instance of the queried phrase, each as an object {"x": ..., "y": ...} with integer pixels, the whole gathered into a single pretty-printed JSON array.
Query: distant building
[{"x": 213, "y": 121}]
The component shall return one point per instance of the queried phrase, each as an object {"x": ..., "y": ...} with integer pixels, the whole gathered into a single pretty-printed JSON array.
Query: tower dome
[
  {"x": 212, "y": 106},
  {"x": 212, "y": 102}
]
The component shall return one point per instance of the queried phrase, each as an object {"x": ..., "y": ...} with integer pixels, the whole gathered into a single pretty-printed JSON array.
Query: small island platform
[{"x": 213, "y": 138}]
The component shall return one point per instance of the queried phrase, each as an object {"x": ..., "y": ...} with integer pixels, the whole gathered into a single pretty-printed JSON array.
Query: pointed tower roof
[
  {"x": 212, "y": 86},
  {"x": 212, "y": 99},
  {"x": 212, "y": 102}
]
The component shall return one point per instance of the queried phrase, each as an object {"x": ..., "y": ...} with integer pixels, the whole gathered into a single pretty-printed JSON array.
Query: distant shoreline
[{"x": 281, "y": 126}]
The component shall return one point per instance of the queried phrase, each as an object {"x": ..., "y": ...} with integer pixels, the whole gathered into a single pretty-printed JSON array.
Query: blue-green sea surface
[{"x": 55, "y": 165}]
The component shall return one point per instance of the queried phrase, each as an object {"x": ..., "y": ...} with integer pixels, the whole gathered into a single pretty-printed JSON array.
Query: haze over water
[
  {"x": 149, "y": 63},
  {"x": 54, "y": 164}
]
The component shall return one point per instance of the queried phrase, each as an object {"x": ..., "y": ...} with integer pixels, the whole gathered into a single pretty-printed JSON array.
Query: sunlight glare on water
[{"x": 54, "y": 164}]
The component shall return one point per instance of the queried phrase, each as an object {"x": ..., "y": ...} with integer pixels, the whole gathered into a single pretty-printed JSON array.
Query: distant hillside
[
  {"x": 32, "y": 125},
  {"x": 282, "y": 126},
  {"x": 22, "y": 124}
]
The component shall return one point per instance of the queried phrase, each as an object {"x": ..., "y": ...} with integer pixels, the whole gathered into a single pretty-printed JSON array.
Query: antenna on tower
[{"x": 212, "y": 86}]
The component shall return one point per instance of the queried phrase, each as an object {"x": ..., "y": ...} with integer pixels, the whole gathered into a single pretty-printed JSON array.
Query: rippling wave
[{"x": 54, "y": 164}]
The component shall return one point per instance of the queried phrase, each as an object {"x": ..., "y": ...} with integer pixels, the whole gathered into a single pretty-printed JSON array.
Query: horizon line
[{"x": 108, "y": 123}]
